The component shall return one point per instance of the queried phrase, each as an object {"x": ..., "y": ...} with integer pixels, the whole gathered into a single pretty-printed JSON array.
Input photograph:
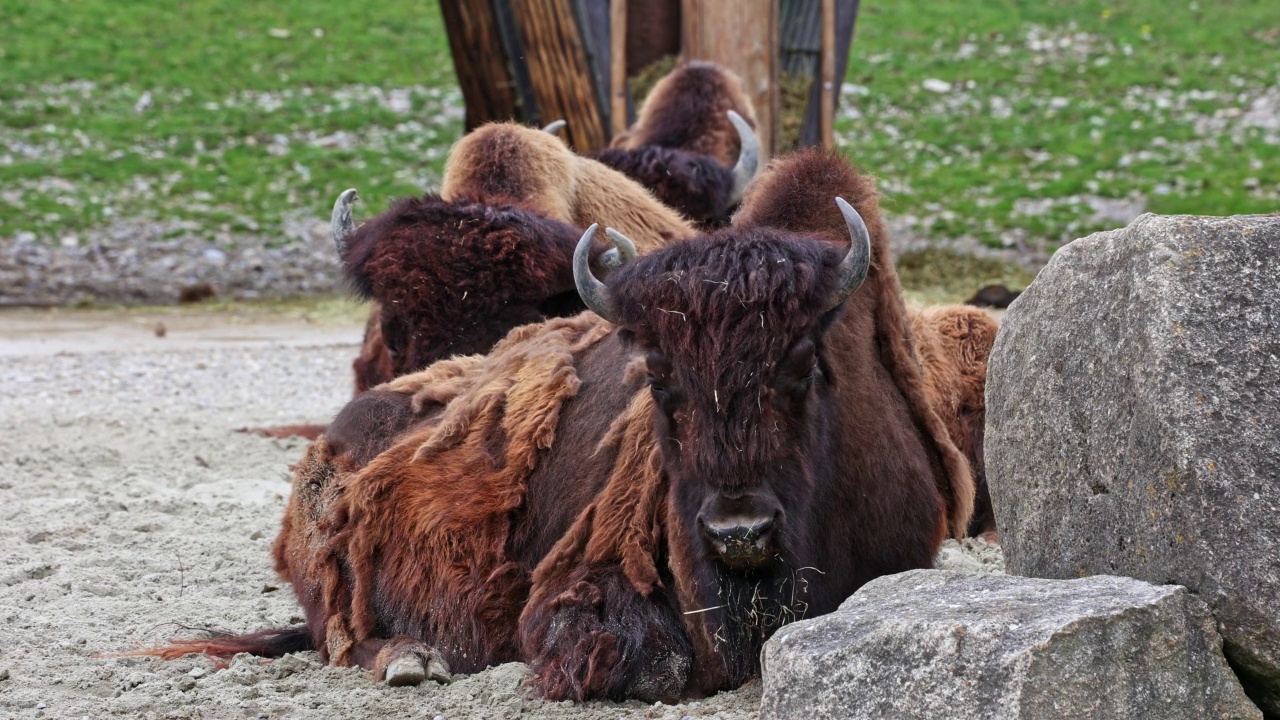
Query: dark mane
[
  {"x": 729, "y": 304},
  {"x": 454, "y": 277},
  {"x": 697, "y": 186}
]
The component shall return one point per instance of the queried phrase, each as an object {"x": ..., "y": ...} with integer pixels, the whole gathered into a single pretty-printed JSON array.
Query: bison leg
[
  {"x": 592, "y": 635},
  {"x": 401, "y": 660}
]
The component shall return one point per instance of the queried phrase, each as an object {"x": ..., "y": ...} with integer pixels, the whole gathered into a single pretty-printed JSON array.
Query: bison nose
[{"x": 739, "y": 540}]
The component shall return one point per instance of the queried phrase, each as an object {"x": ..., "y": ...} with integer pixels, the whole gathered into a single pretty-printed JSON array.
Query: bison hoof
[
  {"x": 406, "y": 671},
  {"x": 413, "y": 665}
]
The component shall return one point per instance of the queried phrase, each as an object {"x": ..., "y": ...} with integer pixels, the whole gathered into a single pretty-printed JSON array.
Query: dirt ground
[{"x": 131, "y": 512}]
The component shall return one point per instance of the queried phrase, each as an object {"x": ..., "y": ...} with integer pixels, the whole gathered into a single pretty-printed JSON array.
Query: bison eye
[
  {"x": 814, "y": 373},
  {"x": 660, "y": 391}
]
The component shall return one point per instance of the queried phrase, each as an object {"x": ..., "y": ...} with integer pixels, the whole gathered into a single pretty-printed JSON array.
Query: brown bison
[
  {"x": 633, "y": 501},
  {"x": 692, "y": 145},
  {"x": 953, "y": 343},
  {"x": 450, "y": 274}
]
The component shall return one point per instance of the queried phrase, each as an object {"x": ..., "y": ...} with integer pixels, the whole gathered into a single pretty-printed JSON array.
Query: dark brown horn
[
  {"x": 748, "y": 157},
  {"x": 340, "y": 223},
  {"x": 594, "y": 294},
  {"x": 554, "y": 126},
  {"x": 857, "y": 262}
]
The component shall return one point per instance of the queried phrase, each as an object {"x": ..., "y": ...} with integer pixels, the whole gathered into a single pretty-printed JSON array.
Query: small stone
[
  {"x": 186, "y": 682},
  {"x": 4, "y": 674},
  {"x": 936, "y": 85},
  {"x": 161, "y": 330}
]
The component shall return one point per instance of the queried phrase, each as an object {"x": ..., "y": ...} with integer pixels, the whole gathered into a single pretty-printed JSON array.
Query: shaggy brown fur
[
  {"x": 451, "y": 278},
  {"x": 808, "y": 178},
  {"x": 543, "y": 482},
  {"x": 451, "y": 274},
  {"x": 683, "y": 147},
  {"x": 953, "y": 343},
  {"x": 535, "y": 170},
  {"x": 687, "y": 110},
  {"x": 697, "y": 186}
]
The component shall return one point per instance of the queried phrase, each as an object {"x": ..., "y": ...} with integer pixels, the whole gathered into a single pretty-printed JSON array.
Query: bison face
[
  {"x": 452, "y": 278},
  {"x": 732, "y": 326},
  {"x": 738, "y": 448}
]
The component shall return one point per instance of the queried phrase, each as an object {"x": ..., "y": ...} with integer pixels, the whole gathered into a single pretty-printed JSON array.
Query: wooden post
[
  {"x": 618, "y": 67},
  {"x": 742, "y": 35},
  {"x": 479, "y": 60},
  {"x": 827, "y": 76},
  {"x": 560, "y": 71}
]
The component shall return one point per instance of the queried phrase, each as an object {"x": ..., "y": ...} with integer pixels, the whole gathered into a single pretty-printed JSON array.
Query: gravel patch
[{"x": 136, "y": 261}]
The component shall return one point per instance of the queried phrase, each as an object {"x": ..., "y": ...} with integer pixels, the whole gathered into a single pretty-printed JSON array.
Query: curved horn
[
  {"x": 554, "y": 126},
  {"x": 853, "y": 269},
  {"x": 623, "y": 250},
  {"x": 594, "y": 294},
  {"x": 748, "y": 157},
  {"x": 340, "y": 224}
]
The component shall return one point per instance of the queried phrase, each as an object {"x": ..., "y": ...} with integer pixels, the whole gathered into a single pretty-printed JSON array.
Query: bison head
[
  {"x": 451, "y": 278},
  {"x": 732, "y": 327}
]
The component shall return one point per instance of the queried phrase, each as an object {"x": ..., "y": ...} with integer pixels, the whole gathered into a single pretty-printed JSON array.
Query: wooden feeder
[{"x": 579, "y": 60}]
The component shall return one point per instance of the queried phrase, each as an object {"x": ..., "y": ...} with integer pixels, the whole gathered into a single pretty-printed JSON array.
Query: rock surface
[
  {"x": 1133, "y": 421},
  {"x": 935, "y": 644}
]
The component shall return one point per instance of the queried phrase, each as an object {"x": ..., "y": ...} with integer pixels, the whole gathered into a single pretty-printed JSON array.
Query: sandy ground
[{"x": 129, "y": 508}]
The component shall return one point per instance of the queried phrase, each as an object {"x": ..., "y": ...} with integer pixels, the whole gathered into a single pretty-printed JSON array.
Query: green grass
[
  {"x": 1064, "y": 104},
  {"x": 1059, "y": 112},
  {"x": 256, "y": 109}
]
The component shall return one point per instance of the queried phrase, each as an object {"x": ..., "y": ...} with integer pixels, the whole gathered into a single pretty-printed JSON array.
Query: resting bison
[
  {"x": 692, "y": 145},
  {"x": 450, "y": 274},
  {"x": 953, "y": 343},
  {"x": 634, "y": 504}
]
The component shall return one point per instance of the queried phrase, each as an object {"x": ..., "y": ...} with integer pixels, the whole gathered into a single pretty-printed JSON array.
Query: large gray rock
[
  {"x": 936, "y": 644},
  {"x": 1133, "y": 421}
]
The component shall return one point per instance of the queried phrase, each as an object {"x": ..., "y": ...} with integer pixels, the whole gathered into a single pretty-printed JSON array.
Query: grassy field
[{"x": 1004, "y": 121}]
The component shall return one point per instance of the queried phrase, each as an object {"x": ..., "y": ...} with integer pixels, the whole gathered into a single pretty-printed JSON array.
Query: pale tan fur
[{"x": 537, "y": 170}]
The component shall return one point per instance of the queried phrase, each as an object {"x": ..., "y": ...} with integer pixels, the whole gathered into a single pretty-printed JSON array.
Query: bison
[
  {"x": 633, "y": 500},
  {"x": 450, "y": 274},
  {"x": 692, "y": 145},
  {"x": 953, "y": 343}
]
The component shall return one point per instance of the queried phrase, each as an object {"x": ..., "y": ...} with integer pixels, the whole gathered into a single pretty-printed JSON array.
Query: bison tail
[{"x": 271, "y": 643}]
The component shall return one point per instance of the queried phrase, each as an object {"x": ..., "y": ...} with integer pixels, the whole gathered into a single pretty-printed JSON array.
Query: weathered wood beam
[
  {"x": 742, "y": 35},
  {"x": 560, "y": 70},
  {"x": 479, "y": 61}
]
